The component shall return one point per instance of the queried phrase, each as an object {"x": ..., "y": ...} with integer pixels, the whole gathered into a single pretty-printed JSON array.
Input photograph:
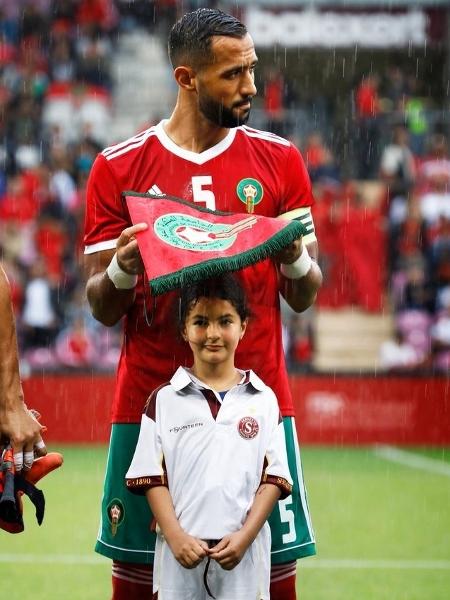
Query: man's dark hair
[
  {"x": 190, "y": 37},
  {"x": 224, "y": 287}
]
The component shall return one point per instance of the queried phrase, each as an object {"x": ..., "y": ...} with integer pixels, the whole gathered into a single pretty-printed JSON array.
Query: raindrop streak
[{"x": 343, "y": 68}]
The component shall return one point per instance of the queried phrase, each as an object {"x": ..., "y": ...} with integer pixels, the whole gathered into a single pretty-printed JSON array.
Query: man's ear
[{"x": 185, "y": 77}]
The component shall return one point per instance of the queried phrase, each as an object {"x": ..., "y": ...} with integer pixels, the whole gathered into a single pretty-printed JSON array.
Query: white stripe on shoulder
[
  {"x": 264, "y": 135},
  {"x": 262, "y": 131},
  {"x": 108, "y": 245},
  {"x": 127, "y": 145},
  {"x": 129, "y": 140}
]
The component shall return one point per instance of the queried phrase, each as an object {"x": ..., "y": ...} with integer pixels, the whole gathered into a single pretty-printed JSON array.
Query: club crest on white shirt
[{"x": 248, "y": 428}]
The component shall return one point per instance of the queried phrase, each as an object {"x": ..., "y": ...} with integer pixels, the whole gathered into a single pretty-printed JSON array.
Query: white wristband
[
  {"x": 299, "y": 268},
  {"x": 120, "y": 279}
]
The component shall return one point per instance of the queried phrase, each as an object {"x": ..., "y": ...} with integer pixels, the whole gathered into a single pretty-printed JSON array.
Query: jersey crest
[
  {"x": 116, "y": 514},
  {"x": 250, "y": 192},
  {"x": 248, "y": 428}
]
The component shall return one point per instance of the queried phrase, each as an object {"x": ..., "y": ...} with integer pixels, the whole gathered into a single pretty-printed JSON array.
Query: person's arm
[
  {"x": 300, "y": 275},
  {"x": 301, "y": 280},
  {"x": 231, "y": 548},
  {"x": 109, "y": 301},
  {"x": 17, "y": 424},
  {"x": 188, "y": 550}
]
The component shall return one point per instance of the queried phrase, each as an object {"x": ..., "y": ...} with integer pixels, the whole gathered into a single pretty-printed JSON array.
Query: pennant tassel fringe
[{"x": 211, "y": 268}]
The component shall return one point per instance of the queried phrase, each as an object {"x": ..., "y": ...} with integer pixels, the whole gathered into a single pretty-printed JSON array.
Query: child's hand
[
  {"x": 230, "y": 550},
  {"x": 188, "y": 550}
]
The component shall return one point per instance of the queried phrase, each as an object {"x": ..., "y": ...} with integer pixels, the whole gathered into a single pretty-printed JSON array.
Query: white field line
[
  {"x": 66, "y": 559},
  {"x": 312, "y": 563},
  {"x": 357, "y": 563},
  {"x": 415, "y": 461}
]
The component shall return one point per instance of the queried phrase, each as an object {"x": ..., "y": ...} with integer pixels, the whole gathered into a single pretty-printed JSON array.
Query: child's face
[{"x": 213, "y": 329}]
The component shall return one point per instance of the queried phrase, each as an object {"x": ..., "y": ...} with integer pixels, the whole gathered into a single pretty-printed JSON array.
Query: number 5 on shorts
[{"x": 287, "y": 516}]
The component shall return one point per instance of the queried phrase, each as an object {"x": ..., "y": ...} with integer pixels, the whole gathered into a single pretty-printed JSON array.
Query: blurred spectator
[
  {"x": 93, "y": 55},
  {"x": 417, "y": 290},
  {"x": 394, "y": 88},
  {"x": 34, "y": 19},
  {"x": 436, "y": 163},
  {"x": 301, "y": 347},
  {"x": 435, "y": 203},
  {"x": 438, "y": 256},
  {"x": 368, "y": 111},
  {"x": 26, "y": 131},
  {"x": 440, "y": 340},
  {"x": 75, "y": 346},
  {"x": 399, "y": 356},
  {"x": 320, "y": 160},
  {"x": 415, "y": 107},
  {"x": 64, "y": 10},
  {"x": 62, "y": 62},
  {"x": 414, "y": 326},
  {"x": 398, "y": 170},
  {"x": 9, "y": 30},
  {"x": 39, "y": 321},
  {"x": 277, "y": 96}
]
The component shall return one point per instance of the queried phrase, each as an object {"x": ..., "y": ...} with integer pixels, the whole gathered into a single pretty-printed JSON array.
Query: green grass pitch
[{"x": 382, "y": 528}]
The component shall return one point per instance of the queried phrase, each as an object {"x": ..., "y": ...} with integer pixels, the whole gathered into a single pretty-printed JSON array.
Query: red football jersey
[{"x": 248, "y": 169}]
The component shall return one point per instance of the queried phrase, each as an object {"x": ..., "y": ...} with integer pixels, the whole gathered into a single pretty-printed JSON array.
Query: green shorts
[{"x": 125, "y": 534}]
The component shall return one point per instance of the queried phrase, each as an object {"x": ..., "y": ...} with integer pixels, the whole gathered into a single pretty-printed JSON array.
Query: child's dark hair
[{"x": 225, "y": 287}]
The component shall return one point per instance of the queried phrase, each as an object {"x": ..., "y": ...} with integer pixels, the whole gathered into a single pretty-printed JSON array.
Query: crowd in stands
[
  {"x": 55, "y": 103},
  {"x": 419, "y": 262},
  {"x": 384, "y": 236}
]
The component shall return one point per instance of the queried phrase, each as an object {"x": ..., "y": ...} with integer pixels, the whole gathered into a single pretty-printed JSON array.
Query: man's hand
[
  {"x": 230, "y": 550},
  {"x": 127, "y": 249},
  {"x": 188, "y": 550},
  {"x": 109, "y": 304},
  {"x": 290, "y": 254},
  {"x": 23, "y": 430}
]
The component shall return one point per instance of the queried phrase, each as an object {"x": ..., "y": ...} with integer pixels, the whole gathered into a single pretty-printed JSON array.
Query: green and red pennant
[{"x": 185, "y": 243}]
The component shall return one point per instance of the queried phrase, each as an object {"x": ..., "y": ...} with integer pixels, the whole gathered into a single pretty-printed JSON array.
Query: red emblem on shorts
[{"x": 248, "y": 428}]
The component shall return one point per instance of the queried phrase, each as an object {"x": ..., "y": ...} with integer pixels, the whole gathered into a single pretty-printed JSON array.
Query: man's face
[{"x": 226, "y": 86}]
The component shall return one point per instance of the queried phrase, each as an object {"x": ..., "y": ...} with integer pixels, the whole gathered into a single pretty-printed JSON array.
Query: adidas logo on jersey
[{"x": 155, "y": 191}]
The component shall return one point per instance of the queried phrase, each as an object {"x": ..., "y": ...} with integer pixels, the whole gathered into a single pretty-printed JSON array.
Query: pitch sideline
[{"x": 410, "y": 459}]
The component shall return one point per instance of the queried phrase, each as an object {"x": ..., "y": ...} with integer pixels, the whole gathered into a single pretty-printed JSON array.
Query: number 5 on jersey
[{"x": 200, "y": 194}]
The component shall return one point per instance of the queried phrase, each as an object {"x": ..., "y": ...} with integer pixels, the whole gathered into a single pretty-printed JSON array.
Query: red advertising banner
[
  {"x": 364, "y": 410},
  {"x": 329, "y": 410}
]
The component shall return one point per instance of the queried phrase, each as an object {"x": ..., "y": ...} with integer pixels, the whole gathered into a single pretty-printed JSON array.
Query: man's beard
[{"x": 220, "y": 115}]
